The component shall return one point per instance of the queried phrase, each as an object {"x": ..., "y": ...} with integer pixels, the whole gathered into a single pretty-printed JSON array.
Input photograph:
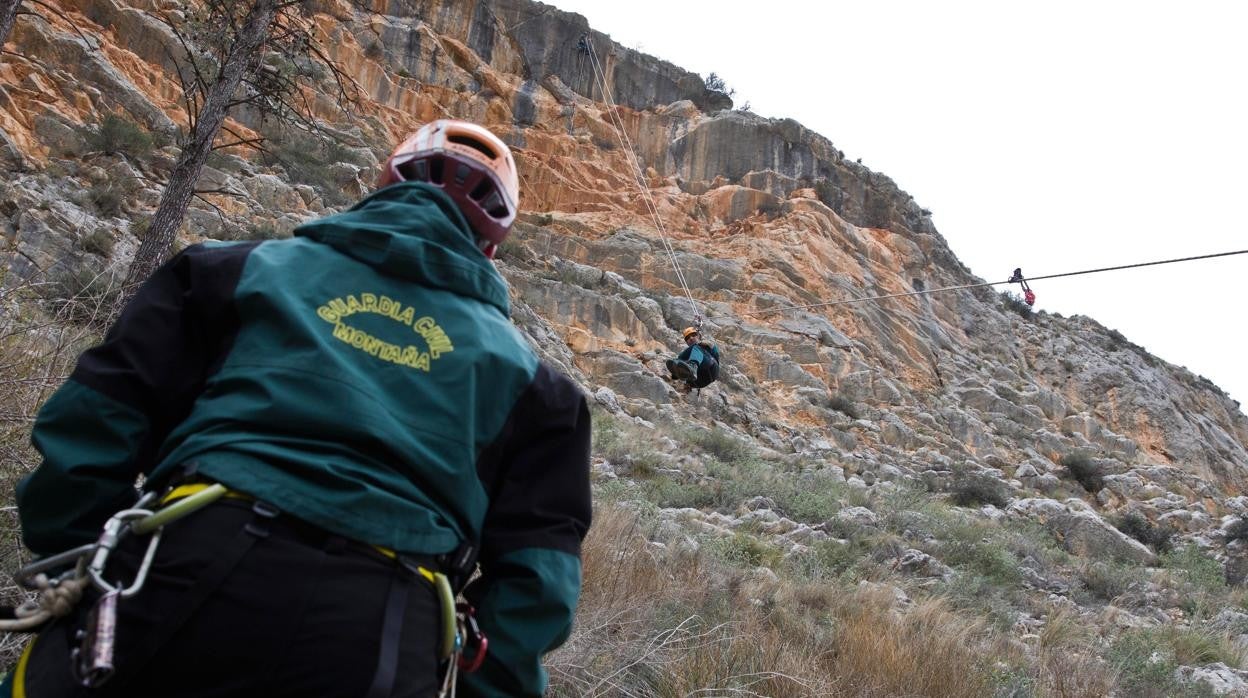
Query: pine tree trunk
[
  {"x": 8, "y": 13},
  {"x": 158, "y": 242}
]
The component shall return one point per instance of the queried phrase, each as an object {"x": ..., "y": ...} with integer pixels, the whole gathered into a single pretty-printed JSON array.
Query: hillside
[{"x": 943, "y": 494}]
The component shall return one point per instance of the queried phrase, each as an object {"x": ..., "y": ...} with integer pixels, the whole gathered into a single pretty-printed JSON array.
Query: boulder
[
  {"x": 1081, "y": 531},
  {"x": 1217, "y": 678}
]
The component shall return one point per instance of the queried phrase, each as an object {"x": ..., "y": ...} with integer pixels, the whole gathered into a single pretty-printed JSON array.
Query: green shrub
[
  {"x": 1016, "y": 304},
  {"x": 668, "y": 493},
  {"x": 140, "y": 226},
  {"x": 974, "y": 489},
  {"x": 830, "y": 559},
  {"x": 116, "y": 134},
  {"x": 983, "y": 597},
  {"x": 1081, "y": 468},
  {"x": 1238, "y": 530},
  {"x": 307, "y": 160},
  {"x": 716, "y": 83},
  {"x": 1144, "y": 668},
  {"x": 1147, "y": 658},
  {"x": 745, "y": 550},
  {"x": 1134, "y": 524},
  {"x": 1198, "y": 646},
  {"x": 1105, "y": 580},
  {"x": 642, "y": 463},
  {"x": 510, "y": 249},
  {"x": 83, "y": 297},
  {"x": 721, "y": 444},
  {"x": 985, "y": 557},
  {"x": 808, "y": 499},
  {"x": 98, "y": 242},
  {"x": 1201, "y": 572},
  {"x": 106, "y": 197}
]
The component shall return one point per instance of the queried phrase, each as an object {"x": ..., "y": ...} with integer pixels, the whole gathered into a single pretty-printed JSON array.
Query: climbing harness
[
  {"x": 1028, "y": 296},
  {"x": 58, "y": 594},
  {"x": 989, "y": 283},
  {"x": 462, "y": 646},
  {"x": 617, "y": 123},
  {"x": 92, "y": 660}
]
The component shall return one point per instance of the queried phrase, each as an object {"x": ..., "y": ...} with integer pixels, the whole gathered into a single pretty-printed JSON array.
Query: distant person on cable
[
  {"x": 376, "y": 417},
  {"x": 698, "y": 364}
]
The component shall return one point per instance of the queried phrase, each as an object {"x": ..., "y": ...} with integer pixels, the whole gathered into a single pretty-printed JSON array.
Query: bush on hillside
[
  {"x": 116, "y": 134},
  {"x": 1134, "y": 524},
  {"x": 1238, "y": 530},
  {"x": 975, "y": 489},
  {"x": 1082, "y": 469},
  {"x": 308, "y": 159},
  {"x": 84, "y": 297},
  {"x": 107, "y": 198},
  {"x": 1106, "y": 580},
  {"x": 721, "y": 444},
  {"x": 1016, "y": 304},
  {"x": 98, "y": 242}
]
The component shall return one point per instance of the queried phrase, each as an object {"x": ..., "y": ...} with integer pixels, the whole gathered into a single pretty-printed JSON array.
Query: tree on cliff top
[{"x": 260, "y": 55}]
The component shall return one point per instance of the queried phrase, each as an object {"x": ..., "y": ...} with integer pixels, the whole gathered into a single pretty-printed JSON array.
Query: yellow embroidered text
[{"x": 335, "y": 310}]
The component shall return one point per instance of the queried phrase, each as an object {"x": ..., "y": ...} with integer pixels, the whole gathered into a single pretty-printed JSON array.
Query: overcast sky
[{"x": 1055, "y": 136}]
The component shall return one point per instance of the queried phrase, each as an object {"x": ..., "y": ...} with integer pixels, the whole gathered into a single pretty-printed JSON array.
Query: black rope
[{"x": 993, "y": 283}]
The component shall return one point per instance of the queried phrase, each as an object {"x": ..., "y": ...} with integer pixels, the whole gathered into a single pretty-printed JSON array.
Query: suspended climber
[
  {"x": 698, "y": 364},
  {"x": 1029, "y": 296},
  {"x": 380, "y": 427}
]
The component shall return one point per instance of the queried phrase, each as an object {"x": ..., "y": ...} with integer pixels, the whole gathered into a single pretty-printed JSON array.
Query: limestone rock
[
  {"x": 919, "y": 563},
  {"x": 1082, "y": 531},
  {"x": 858, "y": 516},
  {"x": 1218, "y": 678}
]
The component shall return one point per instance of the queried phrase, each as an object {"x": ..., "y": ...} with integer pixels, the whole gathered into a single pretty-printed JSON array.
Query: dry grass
[
  {"x": 37, "y": 351},
  {"x": 653, "y": 622},
  {"x": 1074, "y": 673},
  {"x": 926, "y": 651}
]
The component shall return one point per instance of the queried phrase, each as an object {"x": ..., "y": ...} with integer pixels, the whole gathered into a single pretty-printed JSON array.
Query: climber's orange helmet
[
  {"x": 690, "y": 332},
  {"x": 471, "y": 165}
]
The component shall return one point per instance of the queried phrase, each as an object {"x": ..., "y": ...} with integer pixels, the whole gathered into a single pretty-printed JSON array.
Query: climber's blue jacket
[{"x": 363, "y": 376}]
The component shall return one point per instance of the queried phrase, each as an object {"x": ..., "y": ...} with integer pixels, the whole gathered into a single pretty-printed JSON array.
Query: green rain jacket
[{"x": 363, "y": 376}]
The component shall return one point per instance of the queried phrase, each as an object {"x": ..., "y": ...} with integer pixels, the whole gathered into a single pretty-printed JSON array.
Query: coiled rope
[
  {"x": 991, "y": 283},
  {"x": 56, "y": 598}
]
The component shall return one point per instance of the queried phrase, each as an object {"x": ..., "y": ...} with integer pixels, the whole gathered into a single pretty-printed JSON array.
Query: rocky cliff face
[{"x": 761, "y": 215}]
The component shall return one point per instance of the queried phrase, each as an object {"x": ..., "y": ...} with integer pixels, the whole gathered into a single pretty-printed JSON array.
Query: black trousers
[{"x": 301, "y": 613}]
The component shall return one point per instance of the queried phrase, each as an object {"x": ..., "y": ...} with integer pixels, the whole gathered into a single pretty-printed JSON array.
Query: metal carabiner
[
  {"x": 115, "y": 529},
  {"x": 25, "y": 576}
]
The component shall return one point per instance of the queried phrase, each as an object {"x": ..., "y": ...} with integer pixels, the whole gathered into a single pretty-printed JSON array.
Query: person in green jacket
[
  {"x": 698, "y": 364},
  {"x": 364, "y": 396}
]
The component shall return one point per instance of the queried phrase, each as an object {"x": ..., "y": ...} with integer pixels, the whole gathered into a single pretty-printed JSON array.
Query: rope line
[
  {"x": 992, "y": 283},
  {"x": 617, "y": 123}
]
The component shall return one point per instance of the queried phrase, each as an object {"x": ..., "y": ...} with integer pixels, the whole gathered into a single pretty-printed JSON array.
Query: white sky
[{"x": 1056, "y": 136}]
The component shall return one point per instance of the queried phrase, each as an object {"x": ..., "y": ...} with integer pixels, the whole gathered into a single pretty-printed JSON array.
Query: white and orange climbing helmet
[
  {"x": 690, "y": 331},
  {"x": 471, "y": 165}
]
